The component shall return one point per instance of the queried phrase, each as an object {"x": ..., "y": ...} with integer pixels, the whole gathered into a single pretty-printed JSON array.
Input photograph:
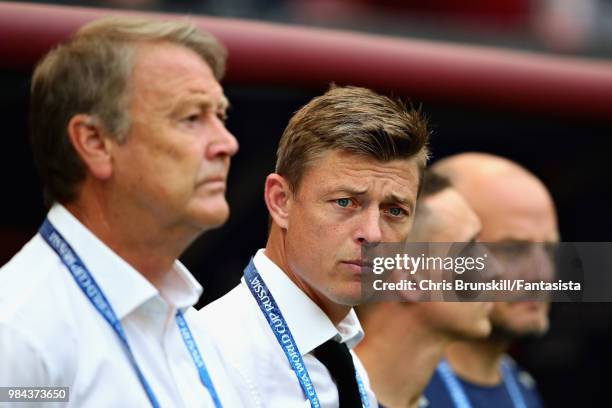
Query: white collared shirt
[
  {"x": 256, "y": 362},
  {"x": 51, "y": 334}
]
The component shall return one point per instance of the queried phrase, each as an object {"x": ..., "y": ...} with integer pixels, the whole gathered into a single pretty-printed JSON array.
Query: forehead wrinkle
[
  {"x": 393, "y": 175},
  {"x": 169, "y": 103},
  {"x": 184, "y": 74},
  {"x": 397, "y": 175},
  {"x": 213, "y": 98},
  {"x": 194, "y": 99}
]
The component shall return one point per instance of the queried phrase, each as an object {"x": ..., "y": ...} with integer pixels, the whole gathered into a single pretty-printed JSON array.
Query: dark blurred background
[
  {"x": 569, "y": 26},
  {"x": 570, "y": 155}
]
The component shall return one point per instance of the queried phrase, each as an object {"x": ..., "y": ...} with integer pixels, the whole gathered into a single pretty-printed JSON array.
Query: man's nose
[
  {"x": 368, "y": 230},
  {"x": 224, "y": 143}
]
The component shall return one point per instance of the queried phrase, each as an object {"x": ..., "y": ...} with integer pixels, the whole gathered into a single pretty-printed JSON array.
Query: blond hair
[{"x": 355, "y": 120}]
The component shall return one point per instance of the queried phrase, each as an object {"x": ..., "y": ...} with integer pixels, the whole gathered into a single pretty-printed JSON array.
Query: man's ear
[
  {"x": 88, "y": 139},
  {"x": 279, "y": 198}
]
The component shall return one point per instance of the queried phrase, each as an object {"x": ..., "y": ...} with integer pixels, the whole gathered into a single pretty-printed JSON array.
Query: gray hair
[{"x": 90, "y": 74}]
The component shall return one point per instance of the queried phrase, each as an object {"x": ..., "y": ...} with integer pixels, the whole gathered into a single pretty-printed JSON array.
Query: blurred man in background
[
  {"x": 347, "y": 174},
  {"x": 514, "y": 207},
  {"x": 404, "y": 341},
  {"x": 128, "y": 136}
]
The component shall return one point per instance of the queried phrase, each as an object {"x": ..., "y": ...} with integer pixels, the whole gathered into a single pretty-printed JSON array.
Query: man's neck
[
  {"x": 147, "y": 247},
  {"x": 275, "y": 251},
  {"x": 478, "y": 361},
  {"x": 399, "y": 363}
]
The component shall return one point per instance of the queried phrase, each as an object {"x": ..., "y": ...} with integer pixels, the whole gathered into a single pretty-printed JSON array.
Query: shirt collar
[
  {"x": 309, "y": 325},
  {"x": 124, "y": 287}
]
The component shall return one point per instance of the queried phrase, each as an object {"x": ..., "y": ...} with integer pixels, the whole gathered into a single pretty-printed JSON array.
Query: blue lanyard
[
  {"x": 512, "y": 386},
  {"x": 459, "y": 396},
  {"x": 197, "y": 358},
  {"x": 89, "y": 286},
  {"x": 281, "y": 330},
  {"x": 452, "y": 384}
]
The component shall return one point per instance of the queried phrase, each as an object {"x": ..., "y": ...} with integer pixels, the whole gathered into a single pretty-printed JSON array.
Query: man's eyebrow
[
  {"x": 394, "y": 198},
  {"x": 203, "y": 101},
  {"x": 400, "y": 200},
  {"x": 349, "y": 190}
]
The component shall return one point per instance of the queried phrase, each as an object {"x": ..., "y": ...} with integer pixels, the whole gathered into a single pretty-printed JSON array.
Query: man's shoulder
[
  {"x": 35, "y": 333},
  {"x": 29, "y": 278},
  {"x": 238, "y": 326},
  {"x": 523, "y": 378},
  {"x": 25, "y": 256},
  {"x": 232, "y": 317},
  {"x": 245, "y": 343},
  {"x": 33, "y": 295},
  {"x": 236, "y": 304},
  {"x": 436, "y": 392}
]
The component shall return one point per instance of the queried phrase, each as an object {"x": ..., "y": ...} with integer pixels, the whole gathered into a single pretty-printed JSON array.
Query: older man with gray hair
[{"x": 128, "y": 134}]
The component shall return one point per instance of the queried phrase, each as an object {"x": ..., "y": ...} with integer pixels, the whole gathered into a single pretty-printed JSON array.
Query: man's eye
[
  {"x": 396, "y": 211},
  {"x": 343, "y": 202},
  {"x": 194, "y": 117}
]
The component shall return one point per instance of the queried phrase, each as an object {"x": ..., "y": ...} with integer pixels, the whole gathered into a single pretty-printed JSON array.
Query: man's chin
[
  {"x": 532, "y": 330},
  {"x": 211, "y": 213},
  {"x": 210, "y": 221},
  {"x": 351, "y": 297}
]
